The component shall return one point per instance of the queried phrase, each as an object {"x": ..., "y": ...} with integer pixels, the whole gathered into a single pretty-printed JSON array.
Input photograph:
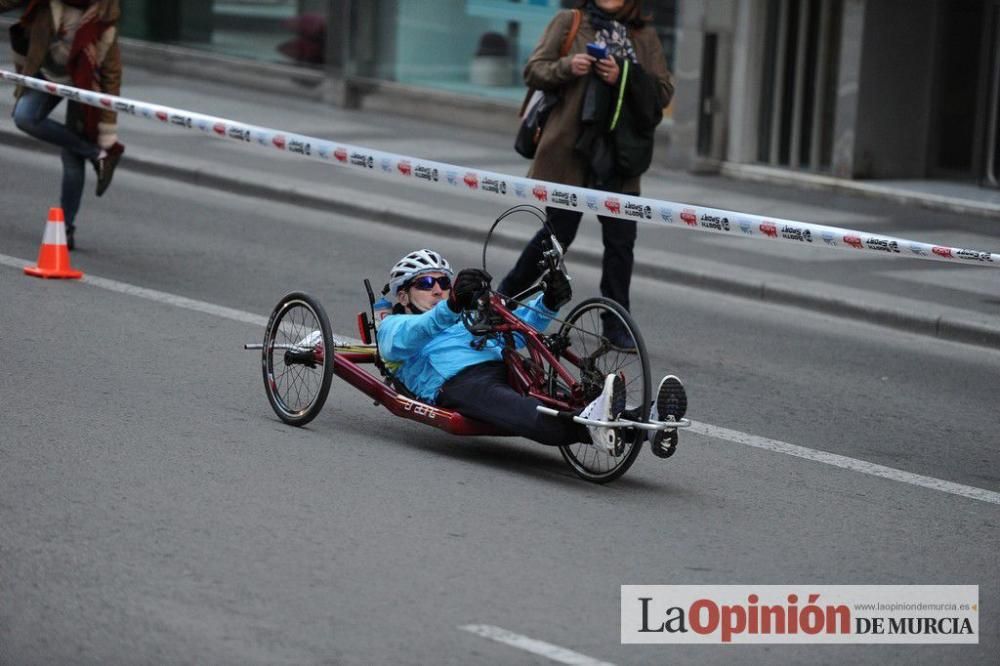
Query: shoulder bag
[{"x": 538, "y": 104}]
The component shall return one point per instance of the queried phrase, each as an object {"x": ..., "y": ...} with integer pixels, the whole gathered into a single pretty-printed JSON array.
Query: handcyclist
[{"x": 430, "y": 351}]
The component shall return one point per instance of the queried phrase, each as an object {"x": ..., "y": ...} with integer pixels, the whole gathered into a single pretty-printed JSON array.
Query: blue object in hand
[{"x": 599, "y": 51}]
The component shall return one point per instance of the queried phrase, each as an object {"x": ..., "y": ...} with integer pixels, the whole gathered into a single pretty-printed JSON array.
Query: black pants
[
  {"x": 481, "y": 392},
  {"x": 619, "y": 242}
]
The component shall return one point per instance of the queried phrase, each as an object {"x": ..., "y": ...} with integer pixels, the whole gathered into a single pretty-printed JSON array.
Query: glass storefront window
[
  {"x": 472, "y": 47},
  {"x": 284, "y": 31}
]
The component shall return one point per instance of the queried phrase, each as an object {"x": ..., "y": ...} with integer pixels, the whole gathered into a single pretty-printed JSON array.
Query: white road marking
[
  {"x": 157, "y": 296},
  {"x": 735, "y": 436},
  {"x": 553, "y": 652},
  {"x": 844, "y": 462}
]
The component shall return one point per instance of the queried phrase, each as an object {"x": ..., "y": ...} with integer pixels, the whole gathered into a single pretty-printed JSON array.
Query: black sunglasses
[{"x": 426, "y": 282}]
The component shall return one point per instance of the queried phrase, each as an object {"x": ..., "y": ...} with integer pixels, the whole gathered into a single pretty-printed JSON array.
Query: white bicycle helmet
[{"x": 415, "y": 264}]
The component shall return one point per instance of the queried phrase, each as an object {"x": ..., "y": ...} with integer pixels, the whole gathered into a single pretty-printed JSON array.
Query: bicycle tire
[
  {"x": 296, "y": 391},
  {"x": 585, "y": 460}
]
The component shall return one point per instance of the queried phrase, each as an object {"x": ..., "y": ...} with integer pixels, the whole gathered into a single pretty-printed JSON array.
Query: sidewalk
[{"x": 960, "y": 302}]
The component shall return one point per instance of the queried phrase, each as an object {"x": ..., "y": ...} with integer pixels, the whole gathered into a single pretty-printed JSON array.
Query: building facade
[{"x": 881, "y": 89}]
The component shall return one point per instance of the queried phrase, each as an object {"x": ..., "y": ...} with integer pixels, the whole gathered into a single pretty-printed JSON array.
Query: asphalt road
[{"x": 153, "y": 509}]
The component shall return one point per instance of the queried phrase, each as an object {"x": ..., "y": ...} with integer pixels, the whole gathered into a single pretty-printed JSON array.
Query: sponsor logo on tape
[
  {"x": 796, "y": 233},
  {"x": 689, "y": 217},
  {"x": 942, "y": 252},
  {"x": 426, "y": 173},
  {"x": 768, "y": 229},
  {"x": 238, "y": 133},
  {"x": 881, "y": 244},
  {"x": 494, "y": 185},
  {"x": 471, "y": 180},
  {"x": 540, "y": 193},
  {"x": 563, "y": 197},
  {"x": 363, "y": 160},
  {"x": 404, "y": 167},
  {"x": 714, "y": 222},
  {"x": 973, "y": 255},
  {"x": 853, "y": 241},
  {"x": 633, "y": 209}
]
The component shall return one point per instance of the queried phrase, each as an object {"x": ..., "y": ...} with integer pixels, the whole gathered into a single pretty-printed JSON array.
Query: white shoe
[
  {"x": 607, "y": 407},
  {"x": 310, "y": 341}
]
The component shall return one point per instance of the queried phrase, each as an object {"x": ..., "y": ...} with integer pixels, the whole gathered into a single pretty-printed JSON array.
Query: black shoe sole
[
  {"x": 671, "y": 399},
  {"x": 664, "y": 444},
  {"x": 618, "y": 397},
  {"x": 618, "y": 400}
]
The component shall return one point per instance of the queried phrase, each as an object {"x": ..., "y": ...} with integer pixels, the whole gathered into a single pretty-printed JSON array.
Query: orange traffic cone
[{"x": 53, "y": 257}]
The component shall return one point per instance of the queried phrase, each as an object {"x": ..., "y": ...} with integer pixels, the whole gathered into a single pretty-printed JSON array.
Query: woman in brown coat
[
  {"x": 71, "y": 42},
  {"x": 574, "y": 148}
]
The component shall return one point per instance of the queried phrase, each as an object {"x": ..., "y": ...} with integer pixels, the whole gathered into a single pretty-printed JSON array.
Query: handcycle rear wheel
[
  {"x": 297, "y": 358},
  {"x": 583, "y": 330}
]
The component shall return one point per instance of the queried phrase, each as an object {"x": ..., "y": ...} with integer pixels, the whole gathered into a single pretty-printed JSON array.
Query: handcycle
[{"x": 563, "y": 371}]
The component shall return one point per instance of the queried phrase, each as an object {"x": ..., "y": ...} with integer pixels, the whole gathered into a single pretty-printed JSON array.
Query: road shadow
[{"x": 503, "y": 453}]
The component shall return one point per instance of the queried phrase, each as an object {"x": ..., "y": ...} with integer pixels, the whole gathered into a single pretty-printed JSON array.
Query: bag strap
[
  {"x": 563, "y": 51},
  {"x": 571, "y": 35}
]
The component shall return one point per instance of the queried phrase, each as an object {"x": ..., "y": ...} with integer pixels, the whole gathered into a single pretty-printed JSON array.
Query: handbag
[
  {"x": 539, "y": 103},
  {"x": 18, "y": 39}
]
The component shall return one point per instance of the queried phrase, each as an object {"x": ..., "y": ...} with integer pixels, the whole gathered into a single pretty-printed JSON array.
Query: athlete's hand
[
  {"x": 469, "y": 284},
  {"x": 557, "y": 290}
]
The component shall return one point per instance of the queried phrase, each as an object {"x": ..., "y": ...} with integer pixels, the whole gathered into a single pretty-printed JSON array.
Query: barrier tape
[{"x": 513, "y": 190}]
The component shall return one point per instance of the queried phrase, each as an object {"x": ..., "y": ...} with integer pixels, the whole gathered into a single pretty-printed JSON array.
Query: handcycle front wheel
[
  {"x": 297, "y": 358},
  {"x": 594, "y": 358}
]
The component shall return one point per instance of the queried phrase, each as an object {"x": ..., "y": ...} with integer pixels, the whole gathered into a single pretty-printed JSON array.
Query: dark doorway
[
  {"x": 991, "y": 131},
  {"x": 960, "y": 93}
]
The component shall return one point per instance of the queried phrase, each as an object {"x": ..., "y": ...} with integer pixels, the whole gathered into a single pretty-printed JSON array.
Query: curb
[
  {"x": 945, "y": 328},
  {"x": 870, "y": 189}
]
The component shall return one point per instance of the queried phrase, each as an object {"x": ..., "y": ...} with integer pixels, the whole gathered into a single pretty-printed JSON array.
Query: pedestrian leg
[
  {"x": 31, "y": 115},
  {"x": 74, "y": 175},
  {"x": 564, "y": 224},
  {"x": 619, "y": 256}
]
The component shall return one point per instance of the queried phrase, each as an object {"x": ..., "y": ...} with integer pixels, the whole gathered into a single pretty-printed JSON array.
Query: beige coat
[
  {"x": 41, "y": 29},
  {"x": 545, "y": 70}
]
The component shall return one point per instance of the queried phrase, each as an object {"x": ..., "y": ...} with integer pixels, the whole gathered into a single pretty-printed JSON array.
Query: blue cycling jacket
[{"x": 428, "y": 349}]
